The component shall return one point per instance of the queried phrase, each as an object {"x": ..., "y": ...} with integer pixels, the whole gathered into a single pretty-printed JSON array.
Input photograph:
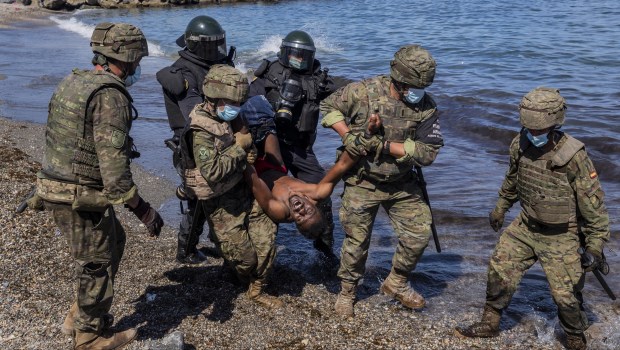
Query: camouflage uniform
[
  {"x": 86, "y": 170},
  {"x": 548, "y": 230},
  {"x": 388, "y": 182},
  {"x": 242, "y": 231},
  {"x": 561, "y": 199}
]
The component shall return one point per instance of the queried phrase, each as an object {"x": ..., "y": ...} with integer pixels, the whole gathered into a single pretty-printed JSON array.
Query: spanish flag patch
[{"x": 593, "y": 175}]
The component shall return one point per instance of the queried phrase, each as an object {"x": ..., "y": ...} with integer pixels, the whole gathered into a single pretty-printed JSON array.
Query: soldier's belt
[
  {"x": 545, "y": 228},
  {"x": 80, "y": 197},
  {"x": 385, "y": 178}
]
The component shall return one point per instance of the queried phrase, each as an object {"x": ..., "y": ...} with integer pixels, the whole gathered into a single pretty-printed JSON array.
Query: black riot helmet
[
  {"x": 205, "y": 38},
  {"x": 297, "y": 51}
]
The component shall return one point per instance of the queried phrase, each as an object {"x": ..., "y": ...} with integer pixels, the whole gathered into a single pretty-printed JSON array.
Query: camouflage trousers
[
  {"x": 97, "y": 242},
  {"x": 519, "y": 247},
  {"x": 242, "y": 231},
  {"x": 410, "y": 217}
]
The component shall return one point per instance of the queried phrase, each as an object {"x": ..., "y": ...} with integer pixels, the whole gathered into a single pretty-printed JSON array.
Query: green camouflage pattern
[
  {"x": 121, "y": 41},
  {"x": 519, "y": 247},
  {"x": 591, "y": 219},
  {"x": 97, "y": 242},
  {"x": 413, "y": 65},
  {"x": 224, "y": 81},
  {"x": 542, "y": 108},
  {"x": 410, "y": 217},
  {"x": 82, "y": 139},
  {"x": 219, "y": 161},
  {"x": 242, "y": 231},
  {"x": 354, "y": 104}
]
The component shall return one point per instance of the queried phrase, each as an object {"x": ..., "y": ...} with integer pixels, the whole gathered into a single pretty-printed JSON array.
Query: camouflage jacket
[
  {"x": 354, "y": 103},
  {"x": 216, "y": 154},
  {"x": 590, "y": 211},
  {"x": 106, "y": 125}
]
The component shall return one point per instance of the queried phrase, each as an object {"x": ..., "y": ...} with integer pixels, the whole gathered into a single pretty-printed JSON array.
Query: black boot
[{"x": 190, "y": 229}]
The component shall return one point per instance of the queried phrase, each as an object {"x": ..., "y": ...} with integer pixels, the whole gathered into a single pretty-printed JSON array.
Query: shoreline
[
  {"x": 164, "y": 299},
  {"x": 11, "y": 14}
]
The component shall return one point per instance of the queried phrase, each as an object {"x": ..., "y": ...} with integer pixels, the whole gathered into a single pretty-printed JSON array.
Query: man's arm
[
  {"x": 275, "y": 209},
  {"x": 590, "y": 201},
  {"x": 216, "y": 166},
  {"x": 422, "y": 150}
]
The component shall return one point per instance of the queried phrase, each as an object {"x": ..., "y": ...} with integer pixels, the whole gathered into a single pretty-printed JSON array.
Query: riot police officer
[
  {"x": 295, "y": 84},
  {"x": 204, "y": 44}
]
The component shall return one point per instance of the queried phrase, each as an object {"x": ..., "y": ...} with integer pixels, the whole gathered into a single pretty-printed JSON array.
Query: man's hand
[
  {"x": 374, "y": 144},
  {"x": 243, "y": 140},
  {"x": 252, "y": 155},
  {"x": 591, "y": 260},
  {"x": 496, "y": 219},
  {"x": 149, "y": 217}
]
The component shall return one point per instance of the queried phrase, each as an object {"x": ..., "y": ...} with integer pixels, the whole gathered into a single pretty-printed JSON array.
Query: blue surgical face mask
[
  {"x": 228, "y": 113},
  {"x": 414, "y": 96},
  {"x": 132, "y": 79},
  {"x": 539, "y": 140},
  {"x": 297, "y": 63}
]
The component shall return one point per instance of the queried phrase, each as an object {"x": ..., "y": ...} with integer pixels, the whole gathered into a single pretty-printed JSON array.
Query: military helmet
[
  {"x": 542, "y": 108},
  {"x": 224, "y": 81},
  {"x": 297, "y": 51},
  {"x": 204, "y": 37},
  {"x": 120, "y": 41},
  {"x": 413, "y": 65}
]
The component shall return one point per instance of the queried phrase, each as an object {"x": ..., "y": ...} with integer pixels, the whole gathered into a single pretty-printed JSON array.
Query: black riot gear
[
  {"x": 291, "y": 92},
  {"x": 205, "y": 38}
]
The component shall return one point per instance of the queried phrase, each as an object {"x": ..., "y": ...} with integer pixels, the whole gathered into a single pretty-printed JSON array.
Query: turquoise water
[{"x": 489, "y": 55}]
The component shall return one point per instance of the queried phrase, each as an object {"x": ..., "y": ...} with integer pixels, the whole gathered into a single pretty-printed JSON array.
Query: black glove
[
  {"x": 591, "y": 260},
  {"x": 149, "y": 217},
  {"x": 496, "y": 219}
]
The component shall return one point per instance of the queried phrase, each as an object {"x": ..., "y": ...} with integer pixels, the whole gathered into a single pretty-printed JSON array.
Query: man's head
[
  {"x": 226, "y": 88},
  {"x": 205, "y": 38},
  {"x": 308, "y": 218},
  {"x": 297, "y": 51},
  {"x": 121, "y": 44},
  {"x": 412, "y": 70}
]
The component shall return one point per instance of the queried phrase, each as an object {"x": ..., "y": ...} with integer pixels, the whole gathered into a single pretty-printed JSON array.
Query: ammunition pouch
[{"x": 80, "y": 197}]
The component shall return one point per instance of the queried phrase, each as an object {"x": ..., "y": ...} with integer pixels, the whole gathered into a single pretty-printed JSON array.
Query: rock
[
  {"x": 53, "y": 4},
  {"x": 173, "y": 341}
]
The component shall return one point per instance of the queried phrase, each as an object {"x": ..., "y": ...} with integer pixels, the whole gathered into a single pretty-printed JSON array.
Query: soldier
[
  {"x": 295, "y": 84},
  {"x": 552, "y": 177},
  {"x": 204, "y": 44},
  {"x": 86, "y": 171},
  {"x": 214, "y": 160},
  {"x": 384, "y": 177}
]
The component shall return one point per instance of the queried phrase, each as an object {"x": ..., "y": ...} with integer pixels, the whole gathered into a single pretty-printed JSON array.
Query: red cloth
[{"x": 261, "y": 165}]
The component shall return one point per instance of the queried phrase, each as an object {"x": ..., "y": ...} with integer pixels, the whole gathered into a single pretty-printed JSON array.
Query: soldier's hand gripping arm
[
  {"x": 423, "y": 148},
  {"x": 217, "y": 165}
]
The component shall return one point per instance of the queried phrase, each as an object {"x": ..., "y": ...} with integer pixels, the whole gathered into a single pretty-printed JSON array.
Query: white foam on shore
[{"x": 86, "y": 30}]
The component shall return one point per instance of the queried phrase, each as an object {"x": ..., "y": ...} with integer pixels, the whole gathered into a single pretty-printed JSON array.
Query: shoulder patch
[
  {"x": 118, "y": 138},
  {"x": 204, "y": 153}
]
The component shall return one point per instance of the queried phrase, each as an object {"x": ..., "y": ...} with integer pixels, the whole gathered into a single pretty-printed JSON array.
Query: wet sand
[{"x": 12, "y": 14}]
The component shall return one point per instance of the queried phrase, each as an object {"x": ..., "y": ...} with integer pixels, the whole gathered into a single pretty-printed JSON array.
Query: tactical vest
[
  {"x": 195, "y": 184},
  {"x": 70, "y": 154},
  {"x": 302, "y": 131},
  {"x": 544, "y": 190},
  {"x": 399, "y": 123},
  {"x": 173, "y": 83}
]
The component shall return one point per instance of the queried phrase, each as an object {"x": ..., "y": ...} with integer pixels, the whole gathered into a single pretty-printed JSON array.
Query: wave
[{"x": 86, "y": 31}]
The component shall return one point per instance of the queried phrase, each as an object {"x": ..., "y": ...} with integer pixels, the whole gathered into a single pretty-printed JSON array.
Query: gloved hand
[
  {"x": 243, "y": 140},
  {"x": 149, "y": 217},
  {"x": 252, "y": 155},
  {"x": 496, "y": 219},
  {"x": 374, "y": 144},
  {"x": 353, "y": 144},
  {"x": 591, "y": 260}
]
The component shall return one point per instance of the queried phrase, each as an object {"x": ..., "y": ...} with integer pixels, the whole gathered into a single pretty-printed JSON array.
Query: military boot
[
  {"x": 345, "y": 300},
  {"x": 103, "y": 341},
  {"x": 67, "y": 325},
  {"x": 488, "y": 326},
  {"x": 256, "y": 294},
  {"x": 397, "y": 287},
  {"x": 576, "y": 342}
]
